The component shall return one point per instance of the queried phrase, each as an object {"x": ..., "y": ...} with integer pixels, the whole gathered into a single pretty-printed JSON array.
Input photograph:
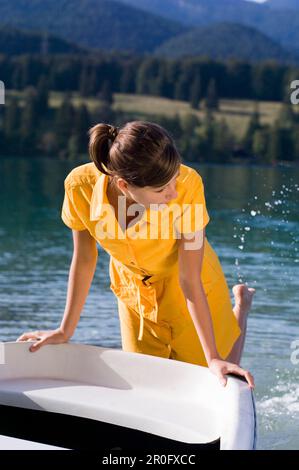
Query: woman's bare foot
[{"x": 243, "y": 300}]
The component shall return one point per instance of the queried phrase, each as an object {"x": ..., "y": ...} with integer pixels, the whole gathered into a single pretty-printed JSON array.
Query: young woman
[{"x": 173, "y": 299}]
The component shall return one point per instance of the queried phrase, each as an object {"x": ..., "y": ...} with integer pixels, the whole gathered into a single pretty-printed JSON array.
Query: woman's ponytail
[
  {"x": 143, "y": 153},
  {"x": 99, "y": 148}
]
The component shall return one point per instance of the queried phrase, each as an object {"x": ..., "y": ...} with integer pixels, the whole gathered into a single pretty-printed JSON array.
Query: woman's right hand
[
  {"x": 43, "y": 337},
  {"x": 221, "y": 368}
]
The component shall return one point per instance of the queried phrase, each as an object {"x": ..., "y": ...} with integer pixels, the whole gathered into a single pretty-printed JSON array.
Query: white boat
[
  {"x": 13, "y": 443},
  {"x": 82, "y": 397}
]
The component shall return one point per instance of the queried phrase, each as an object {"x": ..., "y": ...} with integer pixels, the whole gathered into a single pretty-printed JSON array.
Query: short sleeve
[
  {"x": 194, "y": 215},
  {"x": 69, "y": 212}
]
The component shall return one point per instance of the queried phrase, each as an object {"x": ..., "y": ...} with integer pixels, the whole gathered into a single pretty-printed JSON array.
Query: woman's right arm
[{"x": 81, "y": 274}]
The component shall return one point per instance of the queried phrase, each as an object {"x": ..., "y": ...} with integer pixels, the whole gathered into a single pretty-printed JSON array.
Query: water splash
[
  {"x": 274, "y": 213},
  {"x": 284, "y": 401}
]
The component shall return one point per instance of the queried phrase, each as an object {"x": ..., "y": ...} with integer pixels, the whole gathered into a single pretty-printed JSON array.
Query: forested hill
[
  {"x": 224, "y": 41},
  {"x": 100, "y": 24},
  {"x": 15, "y": 42},
  {"x": 281, "y": 24}
]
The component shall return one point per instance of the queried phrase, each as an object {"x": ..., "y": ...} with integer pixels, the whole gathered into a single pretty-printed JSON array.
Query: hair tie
[{"x": 112, "y": 132}]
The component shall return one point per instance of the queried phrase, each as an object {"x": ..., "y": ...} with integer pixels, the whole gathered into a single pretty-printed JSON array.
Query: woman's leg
[
  {"x": 156, "y": 337},
  {"x": 172, "y": 340},
  {"x": 243, "y": 300},
  {"x": 185, "y": 344}
]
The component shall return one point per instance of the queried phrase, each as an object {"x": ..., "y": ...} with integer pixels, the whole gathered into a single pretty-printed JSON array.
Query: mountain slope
[
  {"x": 280, "y": 25},
  {"x": 14, "y": 41},
  {"x": 284, "y": 4},
  {"x": 223, "y": 41},
  {"x": 102, "y": 24},
  {"x": 198, "y": 11}
]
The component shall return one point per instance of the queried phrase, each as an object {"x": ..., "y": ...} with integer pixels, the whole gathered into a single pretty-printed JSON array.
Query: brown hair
[{"x": 141, "y": 152}]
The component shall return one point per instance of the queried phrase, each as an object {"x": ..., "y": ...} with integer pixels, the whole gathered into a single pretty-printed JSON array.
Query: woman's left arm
[{"x": 190, "y": 252}]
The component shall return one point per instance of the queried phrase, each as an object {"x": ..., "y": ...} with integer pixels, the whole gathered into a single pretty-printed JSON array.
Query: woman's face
[{"x": 149, "y": 194}]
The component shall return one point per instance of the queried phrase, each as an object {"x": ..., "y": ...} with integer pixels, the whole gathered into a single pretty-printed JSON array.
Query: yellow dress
[{"x": 154, "y": 318}]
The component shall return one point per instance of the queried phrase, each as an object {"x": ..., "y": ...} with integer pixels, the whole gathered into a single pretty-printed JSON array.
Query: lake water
[{"x": 254, "y": 228}]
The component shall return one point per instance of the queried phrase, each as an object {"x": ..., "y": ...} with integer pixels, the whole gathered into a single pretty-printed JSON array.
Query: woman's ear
[{"x": 122, "y": 185}]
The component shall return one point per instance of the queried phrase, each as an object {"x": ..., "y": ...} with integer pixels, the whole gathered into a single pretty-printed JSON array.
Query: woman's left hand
[{"x": 220, "y": 368}]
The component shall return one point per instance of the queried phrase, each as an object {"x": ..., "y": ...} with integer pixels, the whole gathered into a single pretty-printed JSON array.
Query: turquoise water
[{"x": 254, "y": 229}]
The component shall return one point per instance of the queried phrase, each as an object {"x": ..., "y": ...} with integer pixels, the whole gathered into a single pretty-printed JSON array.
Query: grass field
[{"x": 236, "y": 112}]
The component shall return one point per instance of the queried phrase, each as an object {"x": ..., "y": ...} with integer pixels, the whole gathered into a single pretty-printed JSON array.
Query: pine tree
[
  {"x": 84, "y": 82},
  {"x": 189, "y": 122},
  {"x": 64, "y": 122},
  {"x": 12, "y": 119},
  {"x": 253, "y": 125},
  {"x": 11, "y": 128},
  {"x": 182, "y": 86},
  {"x": 206, "y": 136},
  {"x": 29, "y": 119},
  {"x": 42, "y": 96},
  {"x": 223, "y": 142},
  {"x": 127, "y": 80},
  {"x": 160, "y": 86},
  {"x": 286, "y": 117},
  {"x": 275, "y": 149},
  {"x": 93, "y": 82},
  {"x": 147, "y": 73},
  {"x": 195, "y": 92},
  {"x": 104, "y": 113},
  {"x": 211, "y": 101},
  {"x": 106, "y": 94},
  {"x": 80, "y": 129},
  {"x": 260, "y": 144}
]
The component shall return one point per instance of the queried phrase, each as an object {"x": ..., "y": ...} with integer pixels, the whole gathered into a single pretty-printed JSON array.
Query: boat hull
[{"x": 96, "y": 398}]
